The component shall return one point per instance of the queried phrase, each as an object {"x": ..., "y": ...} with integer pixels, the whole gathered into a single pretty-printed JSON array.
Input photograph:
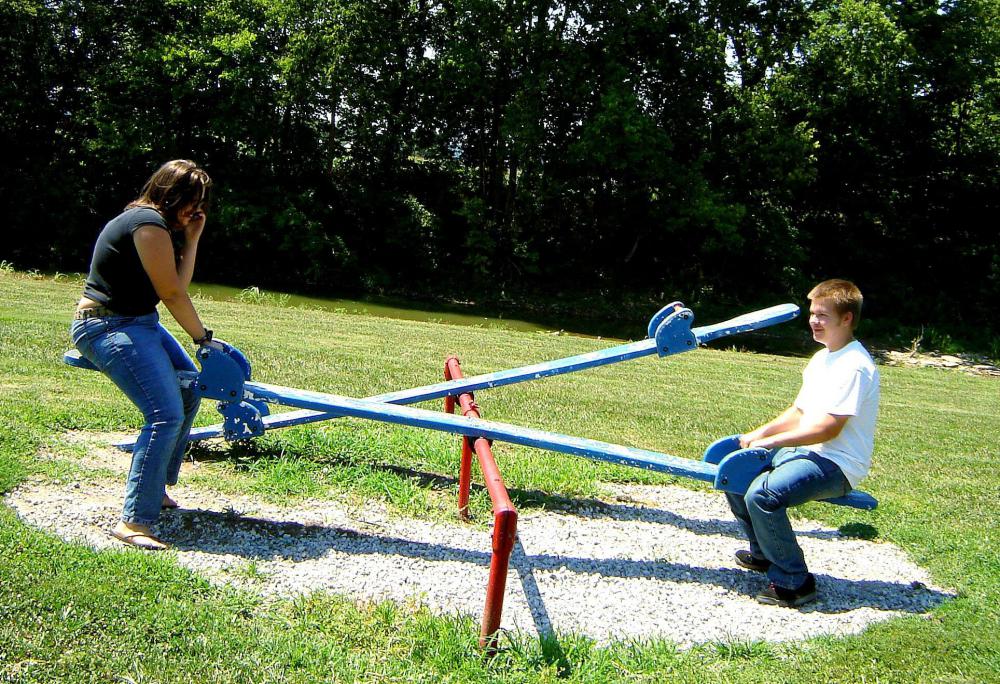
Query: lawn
[{"x": 69, "y": 613}]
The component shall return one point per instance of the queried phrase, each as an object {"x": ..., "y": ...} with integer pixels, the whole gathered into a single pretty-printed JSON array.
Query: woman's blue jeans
[
  {"x": 142, "y": 359},
  {"x": 797, "y": 475}
]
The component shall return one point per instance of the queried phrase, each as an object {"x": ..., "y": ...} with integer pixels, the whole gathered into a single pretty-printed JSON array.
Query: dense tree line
[{"x": 710, "y": 149}]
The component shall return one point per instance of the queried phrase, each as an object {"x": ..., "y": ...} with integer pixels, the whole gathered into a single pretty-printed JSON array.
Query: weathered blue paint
[
  {"x": 226, "y": 371},
  {"x": 659, "y": 316},
  {"x": 73, "y": 358},
  {"x": 225, "y": 380},
  {"x": 733, "y": 474},
  {"x": 475, "y": 428},
  {"x": 634, "y": 350},
  {"x": 674, "y": 335},
  {"x": 754, "y": 320},
  {"x": 223, "y": 372},
  {"x": 241, "y": 420},
  {"x": 738, "y": 467}
]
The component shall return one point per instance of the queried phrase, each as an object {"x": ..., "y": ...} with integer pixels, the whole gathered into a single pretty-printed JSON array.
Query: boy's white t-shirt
[{"x": 844, "y": 383}]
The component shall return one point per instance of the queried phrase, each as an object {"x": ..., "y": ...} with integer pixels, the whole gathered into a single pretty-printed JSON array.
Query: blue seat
[
  {"x": 720, "y": 449},
  {"x": 73, "y": 358}
]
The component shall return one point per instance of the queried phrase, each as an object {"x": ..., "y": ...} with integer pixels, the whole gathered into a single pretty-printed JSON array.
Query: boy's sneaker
[
  {"x": 789, "y": 598},
  {"x": 747, "y": 560}
]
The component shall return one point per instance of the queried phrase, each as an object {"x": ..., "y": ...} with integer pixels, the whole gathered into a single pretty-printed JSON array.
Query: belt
[{"x": 93, "y": 312}]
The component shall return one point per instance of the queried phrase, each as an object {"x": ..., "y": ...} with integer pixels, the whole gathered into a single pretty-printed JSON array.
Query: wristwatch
[{"x": 207, "y": 337}]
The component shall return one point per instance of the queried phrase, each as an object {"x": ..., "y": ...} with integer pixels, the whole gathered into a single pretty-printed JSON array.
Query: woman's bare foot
[
  {"x": 139, "y": 536},
  {"x": 168, "y": 502}
]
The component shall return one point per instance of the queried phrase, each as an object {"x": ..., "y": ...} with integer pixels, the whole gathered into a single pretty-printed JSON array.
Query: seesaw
[
  {"x": 669, "y": 332},
  {"x": 226, "y": 377}
]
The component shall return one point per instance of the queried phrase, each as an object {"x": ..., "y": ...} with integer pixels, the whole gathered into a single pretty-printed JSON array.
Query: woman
[{"x": 116, "y": 327}]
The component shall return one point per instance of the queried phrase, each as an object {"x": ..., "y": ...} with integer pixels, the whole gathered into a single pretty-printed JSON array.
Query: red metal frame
[{"x": 504, "y": 513}]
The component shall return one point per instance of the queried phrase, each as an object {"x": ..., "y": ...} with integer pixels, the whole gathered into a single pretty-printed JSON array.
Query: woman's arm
[
  {"x": 157, "y": 255},
  {"x": 192, "y": 233}
]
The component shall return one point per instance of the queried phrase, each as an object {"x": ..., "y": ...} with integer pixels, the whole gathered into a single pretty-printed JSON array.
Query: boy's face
[{"x": 829, "y": 328}]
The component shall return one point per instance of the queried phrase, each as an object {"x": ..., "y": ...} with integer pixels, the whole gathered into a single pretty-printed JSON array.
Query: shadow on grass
[
  {"x": 552, "y": 649},
  {"x": 243, "y": 454},
  {"x": 258, "y": 539}
]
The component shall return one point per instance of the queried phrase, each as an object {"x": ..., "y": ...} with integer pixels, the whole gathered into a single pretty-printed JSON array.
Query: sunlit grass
[{"x": 69, "y": 613}]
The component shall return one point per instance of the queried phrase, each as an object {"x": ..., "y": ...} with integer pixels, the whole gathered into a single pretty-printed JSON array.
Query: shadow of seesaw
[
  {"x": 525, "y": 499},
  {"x": 227, "y": 533}
]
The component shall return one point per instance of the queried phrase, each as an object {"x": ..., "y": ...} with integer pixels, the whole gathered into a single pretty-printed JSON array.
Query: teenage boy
[{"x": 822, "y": 442}]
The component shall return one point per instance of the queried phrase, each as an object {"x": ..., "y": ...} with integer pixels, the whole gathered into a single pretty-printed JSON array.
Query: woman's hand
[
  {"x": 194, "y": 225},
  {"x": 191, "y": 219}
]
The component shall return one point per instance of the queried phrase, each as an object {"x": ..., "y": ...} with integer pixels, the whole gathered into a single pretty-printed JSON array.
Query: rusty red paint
[{"x": 504, "y": 513}]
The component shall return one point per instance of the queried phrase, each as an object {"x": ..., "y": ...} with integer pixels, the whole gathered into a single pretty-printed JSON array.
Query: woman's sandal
[{"x": 135, "y": 539}]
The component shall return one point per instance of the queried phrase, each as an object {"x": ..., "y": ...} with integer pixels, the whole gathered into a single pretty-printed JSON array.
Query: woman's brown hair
[{"x": 174, "y": 186}]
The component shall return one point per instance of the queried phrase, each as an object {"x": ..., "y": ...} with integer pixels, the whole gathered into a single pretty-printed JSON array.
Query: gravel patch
[{"x": 643, "y": 562}]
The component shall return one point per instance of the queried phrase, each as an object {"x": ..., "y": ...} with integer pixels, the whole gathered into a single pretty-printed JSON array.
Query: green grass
[{"x": 69, "y": 613}]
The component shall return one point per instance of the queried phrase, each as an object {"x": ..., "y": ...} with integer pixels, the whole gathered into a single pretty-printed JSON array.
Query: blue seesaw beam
[
  {"x": 732, "y": 474},
  {"x": 726, "y": 471},
  {"x": 225, "y": 376},
  {"x": 754, "y": 320},
  {"x": 477, "y": 427}
]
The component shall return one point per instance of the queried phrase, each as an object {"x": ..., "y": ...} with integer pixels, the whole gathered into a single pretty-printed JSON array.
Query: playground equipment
[
  {"x": 669, "y": 332},
  {"x": 226, "y": 377}
]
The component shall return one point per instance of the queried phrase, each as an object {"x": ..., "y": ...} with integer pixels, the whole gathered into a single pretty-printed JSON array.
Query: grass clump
[{"x": 259, "y": 297}]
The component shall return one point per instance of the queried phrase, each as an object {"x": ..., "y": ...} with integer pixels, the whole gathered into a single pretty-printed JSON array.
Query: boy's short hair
[{"x": 845, "y": 296}]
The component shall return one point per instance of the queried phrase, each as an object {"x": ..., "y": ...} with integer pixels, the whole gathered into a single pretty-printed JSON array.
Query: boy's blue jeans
[
  {"x": 142, "y": 359},
  {"x": 797, "y": 475}
]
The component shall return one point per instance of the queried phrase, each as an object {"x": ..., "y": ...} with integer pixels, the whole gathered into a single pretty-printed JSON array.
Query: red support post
[
  {"x": 453, "y": 371},
  {"x": 504, "y": 532},
  {"x": 465, "y": 479},
  {"x": 504, "y": 513}
]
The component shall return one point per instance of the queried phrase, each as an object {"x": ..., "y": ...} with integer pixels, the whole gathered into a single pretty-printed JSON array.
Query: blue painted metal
[
  {"x": 721, "y": 448},
  {"x": 750, "y": 321},
  {"x": 261, "y": 406},
  {"x": 73, "y": 358},
  {"x": 738, "y": 467},
  {"x": 242, "y": 420},
  {"x": 226, "y": 380},
  {"x": 224, "y": 369},
  {"x": 658, "y": 317},
  {"x": 734, "y": 472},
  {"x": 226, "y": 372},
  {"x": 475, "y": 428},
  {"x": 754, "y": 320},
  {"x": 673, "y": 334}
]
